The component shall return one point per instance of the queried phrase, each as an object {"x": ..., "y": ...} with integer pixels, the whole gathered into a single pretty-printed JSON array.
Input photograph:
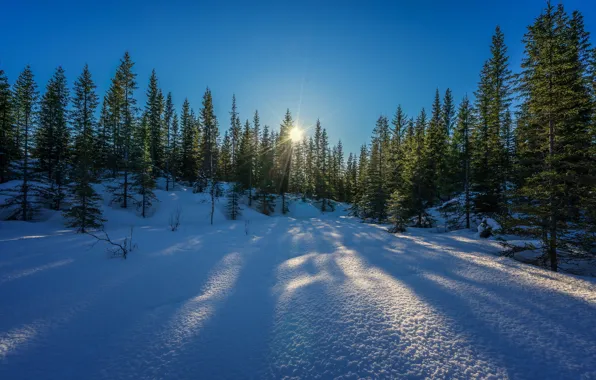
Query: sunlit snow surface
[{"x": 302, "y": 298}]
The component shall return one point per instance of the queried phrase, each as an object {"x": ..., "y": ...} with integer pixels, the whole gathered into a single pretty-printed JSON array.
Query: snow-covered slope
[{"x": 283, "y": 297}]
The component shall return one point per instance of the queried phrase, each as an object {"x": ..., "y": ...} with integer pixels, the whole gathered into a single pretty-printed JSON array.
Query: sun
[{"x": 296, "y": 134}]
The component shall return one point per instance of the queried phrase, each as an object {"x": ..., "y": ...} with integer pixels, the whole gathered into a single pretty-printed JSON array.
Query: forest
[{"x": 520, "y": 150}]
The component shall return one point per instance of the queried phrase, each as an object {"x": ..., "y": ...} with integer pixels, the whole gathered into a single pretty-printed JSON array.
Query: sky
[{"x": 345, "y": 63}]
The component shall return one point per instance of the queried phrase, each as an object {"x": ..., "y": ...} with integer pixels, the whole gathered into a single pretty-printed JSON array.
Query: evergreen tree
[
  {"x": 210, "y": 138},
  {"x": 233, "y": 208},
  {"x": 155, "y": 117},
  {"x": 266, "y": 203},
  {"x": 245, "y": 161},
  {"x": 144, "y": 183},
  {"x": 555, "y": 143},
  {"x": 52, "y": 139},
  {"x": 436, "y": 151},
  {"x": 395, "y": 155},
  {"x": 7, "y": 139},
  {"x": 493, "y": 99},
  {"x": 235, "y": 133},
  {"x": 461, "y": 143},
  {"x": 225, "y": 158},
  {"x": 256, "y": 135},
  {"x": 398, "y": 212},
  {"x": 84, "y": 212},
  {"x": 284, "y": 157},
  {"x": 103, "y": 141},
  {"x": 175, "y": 145},
  {"x": 169, "y": 158},
  {"x": 189, "y": 150},
  {"x": 123, "y": 110},
  {"x": 308, "y": 146},
  {"x": 25, "y": 108}
]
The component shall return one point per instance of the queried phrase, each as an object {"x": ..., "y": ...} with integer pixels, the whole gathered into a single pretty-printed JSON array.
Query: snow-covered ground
[{"x": 309, "y": 296}]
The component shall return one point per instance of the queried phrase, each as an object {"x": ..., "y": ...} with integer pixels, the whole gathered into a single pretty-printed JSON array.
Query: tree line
[{"x": 531, "y": 165}]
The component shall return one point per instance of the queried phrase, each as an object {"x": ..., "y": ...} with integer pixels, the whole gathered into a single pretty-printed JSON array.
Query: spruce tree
[
  {"x": 225, "y": 158},
  {"x": 256, "y": 135},
  {"x": 144, "y": 183},
  {"x": 154, "y": 109},
  {"x": 168, "y": 148},
  {"x": 266, "y": 203},
  {"x": 493, "y": 99},
  {"x": 8, "y": 149},
  {"x": 52, "y": 139},
  {"x": 555, "y": 144},
  {"x": 436, "y": 149},
  {"x": 210, "y": 138},
  {"x": 235, "y": 133},
  {"x": 85, "y": 210},
  {"x": 25, "y": 108},
  {"x": 189, "y": 150},
  {"x": 244, "y": 173},
  {"x": 233, "y": 207},
  {"x": 123, "y": 115},
  {"x": 284, "y": 157},
  {"x": 462, "y": 149}
]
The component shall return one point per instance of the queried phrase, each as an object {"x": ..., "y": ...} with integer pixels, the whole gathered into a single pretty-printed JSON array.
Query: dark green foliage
[
  {"x": 144, "y": 183},
  {"x": 25, "y": 106},
  {"x": 554, "y": 148},
  {"x": 190, "y": 153},
  {"x": 8, "y": 147},
  {"x": 154, "y": 110},
  {"x": 210, "y": 138},
  {"x": 233, "y": 207},
  {"x": 398, "y": 211},
  {"x": 84, "y": 212},
  {"x": 52, "y": 139}
]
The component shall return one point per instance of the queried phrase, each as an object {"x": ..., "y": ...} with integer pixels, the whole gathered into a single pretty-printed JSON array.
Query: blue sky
[{"x": 344, "y": 62}]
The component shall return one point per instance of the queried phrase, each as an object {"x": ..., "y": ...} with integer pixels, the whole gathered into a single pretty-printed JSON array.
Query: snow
[{"x": 308, "y": 295}]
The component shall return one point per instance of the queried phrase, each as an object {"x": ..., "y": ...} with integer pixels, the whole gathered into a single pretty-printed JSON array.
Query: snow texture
[{"x": 282, "y": 297}]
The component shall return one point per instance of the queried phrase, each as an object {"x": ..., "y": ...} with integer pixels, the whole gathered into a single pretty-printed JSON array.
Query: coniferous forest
[{"x": 520, "y": 150}]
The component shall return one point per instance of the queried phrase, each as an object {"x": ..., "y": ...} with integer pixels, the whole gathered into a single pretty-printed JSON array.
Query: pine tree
[
  {"x": 8, "y": 148},
  {"x": 169, "y": 158},
  {"x": 84, "y": 212},
  {"x": 124, "y": 122},
  {"x": 235, "y": 133},
  {"x": 233, "y": 207},
  {"x": 225, "y": 158},
  {"x": 395, "y": 155},
  {"x": 155, "y": 117},
  {"x": 284, "y": 157},
  {"x": 266, "y": 203},
  {"x": 52, "y": 139},
  {"x": 25, "y": 108},
  {"x": 175, "y": 144},
  {"x": 103, "y": 141},
  {"x": 447, "y": 180},
  {"x": 493, "y": 99},
  {"x": 417, "y": 173},
  {"x": 210, "y": 139},
  {"x": 244, "y": 175},
  {"x": 144, "y": 183},
  {"x": 375, "y": 196},
  {"x": 555, "y": 141},
  {"x": 462, "y": 149},
  {"x": 256, "y": 135},
  {"x": 436, "y": 149},
  {"x": 398, "y": 212},
  {"x": 189, "y": 151},
  {"x": 308, "y": 147}
]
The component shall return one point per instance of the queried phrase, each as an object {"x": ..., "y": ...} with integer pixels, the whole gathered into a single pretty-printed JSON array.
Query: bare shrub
[
  {"x": 175, "y": 219},
  {"x": 116, "y": 249}
]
